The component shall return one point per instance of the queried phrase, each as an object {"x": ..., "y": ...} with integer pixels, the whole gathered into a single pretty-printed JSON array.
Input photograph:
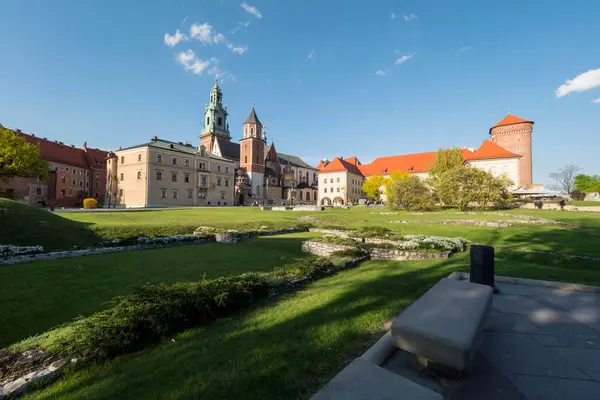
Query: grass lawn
[
  {"x": 40, "y": 295},
  {"x": 289, "y": 347},
  {"x": 584, "y": 203}
]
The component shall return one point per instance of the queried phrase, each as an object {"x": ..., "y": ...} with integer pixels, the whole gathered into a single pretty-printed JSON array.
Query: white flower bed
[
  {"x": 166, "y": 239},
  {"x": 7, "y": 250},
  {"x": 433, "y": 242},
  {"x": 206, "y": 231}
]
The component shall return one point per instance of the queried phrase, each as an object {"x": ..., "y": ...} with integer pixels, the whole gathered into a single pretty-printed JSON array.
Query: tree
[
  {"x": 372, "y": 186},
  {"x": 410, "y": 193},
  {"x": 19, "y": 158},
  {"x": 587, "y": 183},
  {"x": 395, "y": 176},
  {"x": 466, "y": 186},
  {"x": 445, "y": 160},
  {"x": 565, "y": 178}
]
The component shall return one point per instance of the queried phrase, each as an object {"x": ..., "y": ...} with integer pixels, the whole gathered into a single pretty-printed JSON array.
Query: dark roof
[
  {"x": 229, "y": 149},
  {"x": 293, "y": 160},
  {"x": 173, "y": 146},
  {"x": 270, "y": 173},
  {"x": 252, "y": 118}
]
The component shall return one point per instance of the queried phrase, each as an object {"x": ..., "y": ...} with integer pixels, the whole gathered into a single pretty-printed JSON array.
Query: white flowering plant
[
  {"x": 411, "y": 242},
  {"x": 7, "y": 250}
]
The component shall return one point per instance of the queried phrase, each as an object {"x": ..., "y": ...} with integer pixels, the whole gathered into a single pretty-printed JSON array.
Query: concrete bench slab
[
  {"x": 362, "y": 380},
  {"x": 445, "y": 325}
]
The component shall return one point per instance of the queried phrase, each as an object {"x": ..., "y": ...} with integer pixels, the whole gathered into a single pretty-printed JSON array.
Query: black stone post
[{"x": 482, "y": 265}]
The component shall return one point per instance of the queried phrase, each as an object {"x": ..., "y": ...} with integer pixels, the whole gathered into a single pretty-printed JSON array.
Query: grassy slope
[
  {"x": 56, "y": 291},
  {"x": 24, "y": 225},
  {"x": 289, "y": 347}
]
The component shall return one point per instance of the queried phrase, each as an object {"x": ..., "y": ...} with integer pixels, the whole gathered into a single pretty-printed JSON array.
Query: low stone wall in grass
[
  {"x": 487, "y": 223},
  {"x": 375, "y": 253},
  {"x": 308, "y": 208},
  {"x": 234, "y": 237},
  {"x": 323, "y": 249},
  {"x": 336, "y": 232}
]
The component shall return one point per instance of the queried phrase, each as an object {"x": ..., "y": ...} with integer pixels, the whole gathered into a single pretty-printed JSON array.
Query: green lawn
[
  {"x": 38, "y": 296},
  {"x": 585, "y": 203},
  {"x": 287, "y": 348}
]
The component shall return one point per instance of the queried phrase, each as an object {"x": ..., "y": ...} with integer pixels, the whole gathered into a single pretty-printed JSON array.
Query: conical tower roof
[{"x": 252, "y": 118}]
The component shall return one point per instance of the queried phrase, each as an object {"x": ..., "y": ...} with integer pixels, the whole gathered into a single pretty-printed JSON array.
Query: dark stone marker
[{"x": 482, "y": 265}]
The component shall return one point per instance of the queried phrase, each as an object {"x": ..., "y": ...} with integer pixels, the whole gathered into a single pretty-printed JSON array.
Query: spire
[{"x": 252, "y": 118}]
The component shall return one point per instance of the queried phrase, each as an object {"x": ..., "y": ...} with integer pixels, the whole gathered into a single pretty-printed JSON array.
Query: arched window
[
  {"x": 252, "y": 131},
  {"x": 307, "y": 196},
  {"x": 207, "y": 120},
  {"x": 315, "y": 196},
  {"x": 245, "y": 159}
]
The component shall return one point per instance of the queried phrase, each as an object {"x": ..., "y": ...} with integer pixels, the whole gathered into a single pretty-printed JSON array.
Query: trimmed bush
[
  {"x": 372, "y": 232},
  {"x": 333, "y": 239},
  {"x": 357, "y": 252},
  {"x": 577, "y": 195},
  {"x": 90, "y": 203}
]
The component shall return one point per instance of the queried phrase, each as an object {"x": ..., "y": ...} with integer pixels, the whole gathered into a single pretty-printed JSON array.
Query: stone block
[
  {"x": 445, "y": 325},
  {"x": 361, "y": 380}
]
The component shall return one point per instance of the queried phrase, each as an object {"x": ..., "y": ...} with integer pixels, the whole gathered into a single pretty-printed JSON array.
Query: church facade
[{"x": 217, "y": 172}]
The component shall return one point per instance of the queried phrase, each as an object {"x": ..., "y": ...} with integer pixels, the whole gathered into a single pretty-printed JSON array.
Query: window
[
  {"x": 207, "y": 120},
  {"x": 338, "y": 180},
  {"x": 96, "y": 194},
  {"x": 189, "y": 193},
  {"x": 139, "y": 157},
  {"x": 325, "y": 190},
  {"x": 201, "y": 195},
  {"x": 174, "y": 160},
  {"x": 122, "y": 159},
  {"x": 67, "y": 169},
  {"x": 97, "y": 174},
  {"x": 120, "y": 192},
  {"x": 226, "y": 182},
  {"x": 38, "y": 191},
  {"x": 186, "y": 178},
  {"x": 87, "y": 173},
  {"x": 331, "y": 190},
  {"x": 218, "y": 167},
  {"x": 220, "y": 121},
  {"x": 62, "y": 192},
  {"x": 159, "y": 175},
  {"x": 87, "y": 184},
  {"x": 204, "y": 180},
  {"x": 163, "y": 193},
  {"x": 139, "y": 174},
  {"x": 174, "y": 194},
  {"x": 218, "y": 181},
  {"x": 122, "y": 177},
  {"x": 80, "y": 183},
  {"x": 81, "y": 172},
  {"x": 74, "y": 183},
  {"x": 518, "y": 150},
  {"x": 97, "y": 186},
  {"x": 174, "y": 176},
  {"x": 222, "y": 195},
  {"x": 186, "y": 163},
  {"x": 158, "y": 157},
  {"x": 63, "y": 179},
  {"x": 226, "y": 169},
  {"x": 338, "y": 189},
  {"x": 245, "y": 159},
  {"x": 325, "y": 180}
]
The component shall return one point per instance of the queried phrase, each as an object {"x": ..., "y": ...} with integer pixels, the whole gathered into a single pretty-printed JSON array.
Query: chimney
[
  {"x": 45, "y": 138},
  {"x": 325, "y": 162},
  {"x": 73, "y": 146},
  {"x": 33, "y": 135},
  {"x": 84, "y": 146},
  {"x": 154, "y": 138},
  {"x": 18, "y": 131}
]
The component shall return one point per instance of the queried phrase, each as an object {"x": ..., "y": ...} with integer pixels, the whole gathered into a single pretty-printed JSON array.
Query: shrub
[
  {"x": 410, "y": 193},
  {"x": 154, "y": 312},
  {"x": 333, "y": 239},
  {"x": 357, "y": 252},
  {"x": 90, "y": 203},
  {"x": 578, "y": 195},
  {"x": 466, "y": 186},
  {"x": 372, "y": 232},
  {"x": 309, "y": 267}
]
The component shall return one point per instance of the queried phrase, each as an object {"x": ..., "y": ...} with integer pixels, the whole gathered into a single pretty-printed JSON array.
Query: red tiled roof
[
  {"x": 320, "y": 165},
  {"x": 340, "y": 165},
  {"x": 65, "y": 154},
  {"x": 422, "y": 162},
  {"x": 352, "y": 160},
  {"x": 511, "y": 120}
]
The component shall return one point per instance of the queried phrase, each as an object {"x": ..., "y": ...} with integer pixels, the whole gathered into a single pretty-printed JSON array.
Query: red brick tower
[
  {"x": 514, "y": 134},
  {"x": 252, "y": 153}
]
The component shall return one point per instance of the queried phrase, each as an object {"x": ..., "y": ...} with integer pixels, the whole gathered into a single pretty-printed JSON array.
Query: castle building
[
  {"x": 508, "y": 152},
  {"x": 218, "y": 172},
  {"x": 73, "y": 174}
]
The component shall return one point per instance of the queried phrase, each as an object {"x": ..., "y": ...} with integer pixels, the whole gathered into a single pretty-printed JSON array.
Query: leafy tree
[
  {"x": 411, "y": 193},
  {"x": 587, "y": 183},
  {"x": 445, "y": 160},
  {"x": 19, "y": 158},
  {"x": 464, "y": 186},
  {"x": 565, "y": 178},
  {"x": 395, "y": 176},
  {"x": 372, "y": 186}
]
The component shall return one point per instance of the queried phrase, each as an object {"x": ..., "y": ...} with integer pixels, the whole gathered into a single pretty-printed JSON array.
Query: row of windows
[
  {"x": 331, "y": 180},
  {"x": 338, "y": 190},
  {"x": 186, "y": 178},
  {"x": 175, "y": 161}
]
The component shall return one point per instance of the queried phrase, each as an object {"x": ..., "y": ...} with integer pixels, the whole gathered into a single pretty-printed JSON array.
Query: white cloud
[
  {"x": 172, "y": 40},
  {"x": 465, "y": 49},
  {"x": 244, "y": 24},
  {"x": 183, "y": 22},
  {"x": 392, "y": 15},
  {"x": 380, "y": 73},
  {"x": 251, "y": 9},
  {"x": 237, "y": 49},
  {"x": 202, "y": 32},
  {"x": 191, "y": 62},
  {"x": 586, "y": 81},
  {"x": 405, "y": 58},
  {"x": 311, "y": 55},
  {"x": 597, "y": 101},
  {"x": 410, "y": 17},
  {"x": 218, "y": 38}
]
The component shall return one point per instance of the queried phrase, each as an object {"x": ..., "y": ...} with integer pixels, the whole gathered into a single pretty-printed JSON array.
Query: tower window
[
  {"x": 220, "y": 121},
  {"x": 207, "y": 120},
  {"x": 245, "y": 159},
  {"x": 252, "y": 131},
  {"x": 518, "y": 150}
]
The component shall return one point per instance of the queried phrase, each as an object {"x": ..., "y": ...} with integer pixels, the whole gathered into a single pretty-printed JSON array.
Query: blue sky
[{"x": 104, "y": 72}]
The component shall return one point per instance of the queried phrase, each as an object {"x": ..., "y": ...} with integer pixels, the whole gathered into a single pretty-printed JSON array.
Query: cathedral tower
[
  {"x": 215, "y": 119},
  {"x": 514, "y": 134},
  {"x": 252, "y": 153}
]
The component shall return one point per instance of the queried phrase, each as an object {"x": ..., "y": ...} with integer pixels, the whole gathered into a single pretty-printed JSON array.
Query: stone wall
[
  {"x": 553, "y": 206},
  {"x": 402, "y": 255},
  {"x": 308, "y": 208},
  {"x": 323, "y": 249},
  {"x": 336, "y": 232},
  {"x": 592, "y": 196}
]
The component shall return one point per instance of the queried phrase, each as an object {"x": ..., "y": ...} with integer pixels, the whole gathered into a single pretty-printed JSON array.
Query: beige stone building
[
  {"x": 162, "y": 173},
  {"x": 340, "y": 182}
]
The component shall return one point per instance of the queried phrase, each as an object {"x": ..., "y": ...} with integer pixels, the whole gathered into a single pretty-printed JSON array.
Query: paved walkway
[{"x": 540, "y": 343}]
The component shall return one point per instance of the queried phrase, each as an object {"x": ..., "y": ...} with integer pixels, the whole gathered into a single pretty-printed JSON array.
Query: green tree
[
  {"x": 410, "y": 193},
  {"x": 372, "y": 186},
  {"x": 445, "y": 160},
  {"x": 395, "y": 176},
  {"x": 587, "y": 183},
  {"x": 466, "y": 186},
  {"x": 19, "y": 158}
]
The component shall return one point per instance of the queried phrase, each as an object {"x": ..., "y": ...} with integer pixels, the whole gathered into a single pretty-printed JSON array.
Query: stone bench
[
  {"x": 444, "y": 326},
  {"x": 362, "y": 380}
]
